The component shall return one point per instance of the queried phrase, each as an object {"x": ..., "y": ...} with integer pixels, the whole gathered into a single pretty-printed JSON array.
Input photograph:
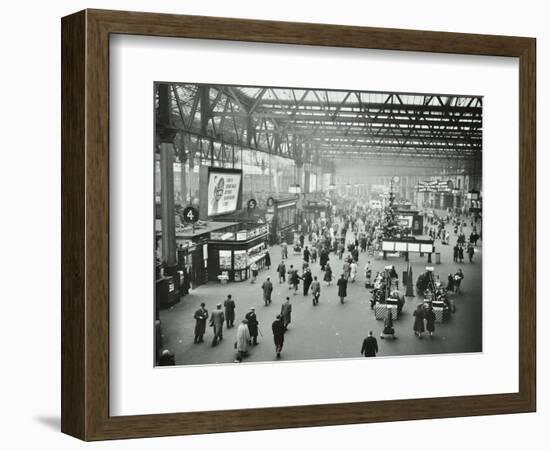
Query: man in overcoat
[
  {"x": 306, "y": 254},
  {"x": 307, "y": 280},
  {"x": 267, "y": 288},
  {"x": 252, "y": 325},
  {"x": 342, "y": 288},
  {"x": 278, "y": 328},
  {"x": 281, "y": 270},
  {"x": 229, "y": 306},
  {"x": 200, "y": 316},
  {"x": 216, "y": 321},
  {"x": 370, "y": 346},
  {"x": 286, "y": 311},
  {"x": 316, "y": 291}
]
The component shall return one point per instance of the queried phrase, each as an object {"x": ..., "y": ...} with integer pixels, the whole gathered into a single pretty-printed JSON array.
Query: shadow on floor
[{"x": 52, "y": 422}]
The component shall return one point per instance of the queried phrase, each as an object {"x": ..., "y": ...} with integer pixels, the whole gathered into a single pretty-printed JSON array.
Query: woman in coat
[
  {"x": 243, "y": 339},
  {"x": 294, "y": 279},
  {"x": 328, "y": 274},
  {"x": 418, "y": 326},
  {"x": 450, "y": 283},
  {"x": 430, "y": 321}
]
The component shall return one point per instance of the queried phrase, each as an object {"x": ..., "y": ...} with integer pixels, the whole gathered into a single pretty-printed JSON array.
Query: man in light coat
[{"x": 243, "y": 340}]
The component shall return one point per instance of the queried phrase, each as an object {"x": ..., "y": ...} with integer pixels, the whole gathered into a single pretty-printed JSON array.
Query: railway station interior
[{"x": 382, "y": 189}]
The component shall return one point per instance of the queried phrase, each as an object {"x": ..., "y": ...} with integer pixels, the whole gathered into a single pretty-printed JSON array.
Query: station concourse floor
[{"x": 330, "y": 329}]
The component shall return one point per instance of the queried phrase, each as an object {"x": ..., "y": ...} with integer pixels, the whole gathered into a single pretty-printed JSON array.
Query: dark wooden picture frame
[{"x": 85, "y": 224}]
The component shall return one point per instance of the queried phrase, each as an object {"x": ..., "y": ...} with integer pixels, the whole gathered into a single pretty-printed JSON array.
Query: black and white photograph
[{"x": 296, "y": 224}]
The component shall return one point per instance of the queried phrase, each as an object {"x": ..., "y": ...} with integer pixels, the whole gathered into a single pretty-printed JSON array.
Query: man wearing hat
[
  {"x": 200, "y": 316},
  {"x": 370, "y": 346},
  {"x": 216, "y": 320},
  {"x": 286, "y": 311},
  {"x": 252, "y": 325},
  {"x": 229, "y": 305},
  {"x": 267, "y": 288},
  {"x": 307, "y": 279},
  {"x": 241, "y": 344},
  {"x": 278, "y": 328}
]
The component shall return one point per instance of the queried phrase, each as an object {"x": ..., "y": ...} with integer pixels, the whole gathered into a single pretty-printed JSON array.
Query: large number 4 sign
[{"x": 190, "y": 214}]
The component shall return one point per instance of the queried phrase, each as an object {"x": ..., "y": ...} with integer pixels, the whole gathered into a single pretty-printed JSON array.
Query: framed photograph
[{"x": 186, "y": 310}]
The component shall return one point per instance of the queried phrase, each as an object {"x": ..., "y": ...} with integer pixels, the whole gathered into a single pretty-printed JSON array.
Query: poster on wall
[{"x": 223, "y": 192}]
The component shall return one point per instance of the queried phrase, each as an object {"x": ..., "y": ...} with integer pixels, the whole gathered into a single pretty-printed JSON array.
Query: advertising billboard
[
  {"x": 223, "y": 192},
  {"x": 220, "y": 191}
]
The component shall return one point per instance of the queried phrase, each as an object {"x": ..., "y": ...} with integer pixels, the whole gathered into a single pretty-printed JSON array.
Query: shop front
[
  {"x": 192, "y": 252},
  {"x": 413, "y": 221},
  {"x": 232, "y": 253},
  {"x": 314, "y": 210},
  {"x": 282, "y": 214}
]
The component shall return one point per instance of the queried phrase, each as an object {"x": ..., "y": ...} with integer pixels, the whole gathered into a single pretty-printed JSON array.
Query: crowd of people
[{"x": 336, "y": 244}]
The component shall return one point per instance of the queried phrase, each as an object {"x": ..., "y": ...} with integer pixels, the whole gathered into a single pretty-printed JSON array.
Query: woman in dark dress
[
  {"x": 328, "y": 274},
  {"x": 418, "y": 326},
  {"x": 294, "y": 280},
  {"x": 267, "y": 260}
]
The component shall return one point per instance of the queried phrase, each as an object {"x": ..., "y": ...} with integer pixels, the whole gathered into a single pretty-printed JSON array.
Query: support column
[
  {"x": 167, "y": 206},
  {"x": 183, "y": 175},
  {"x": 183, "y": 180},
  {"x": 300, "y": 175},
  {"x": 165, "y": 135}
]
